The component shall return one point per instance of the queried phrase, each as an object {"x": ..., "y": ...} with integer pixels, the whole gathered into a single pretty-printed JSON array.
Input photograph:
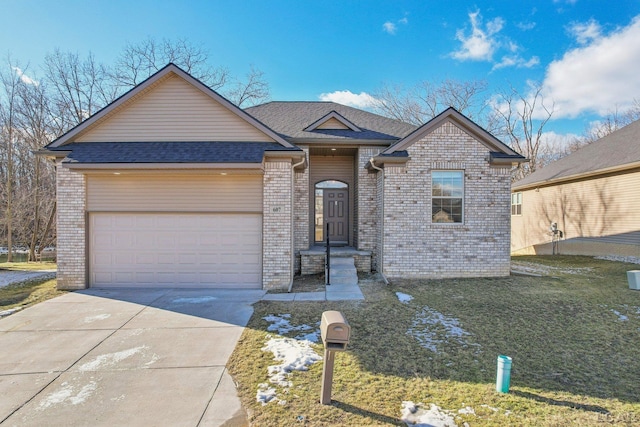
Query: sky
[{"x": 584, "y": 53}]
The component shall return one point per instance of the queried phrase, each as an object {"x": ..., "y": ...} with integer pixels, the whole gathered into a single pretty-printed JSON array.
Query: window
[
  {"x": 447, "y": 194},
  {"x": 516, "y": 204}
]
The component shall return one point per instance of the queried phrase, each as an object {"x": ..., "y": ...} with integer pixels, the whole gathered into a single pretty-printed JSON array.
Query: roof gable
[
  {"x": 467, "y": 125},
  {"x": 333, "y": 121},
  {"x": 170, "y": 105}
]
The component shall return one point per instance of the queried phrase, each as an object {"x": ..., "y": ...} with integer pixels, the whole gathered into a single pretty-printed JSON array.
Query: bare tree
[
  {"x": 613, "y": 121},
  {"x": 425, "y": 100},
  {"x": 10, "y": 81},
  {"x": 77, "y": 88},
  {"x": 139, "y": 61},
  {"x": 252, "y": 91},
  {"x": 521, "y": 119}
]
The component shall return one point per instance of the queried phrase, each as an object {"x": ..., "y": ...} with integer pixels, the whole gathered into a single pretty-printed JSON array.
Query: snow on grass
[
  {"x": 281, "y": 324},
  {"x": 111, "y": 359},
  {"x": 66, "y": 393},
  {"x": 432, "y": 328},
  {"x": 294, "y": 354},
  {"x": 621, "y": 316},
  {"x": 404, "y": 298},
  {"x": 415, "y": 415},
  {"x": 619, "y": 258}
]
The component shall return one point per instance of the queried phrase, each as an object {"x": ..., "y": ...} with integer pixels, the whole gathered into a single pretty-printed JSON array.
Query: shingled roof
[
  {"x": 290, "y": 119},
  {"x": 617, "y": 151},
  {"x": 169, "y": 152}
]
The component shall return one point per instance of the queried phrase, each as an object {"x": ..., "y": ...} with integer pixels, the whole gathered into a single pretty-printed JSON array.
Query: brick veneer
[
  {"x": 301, "y": 212},
  {"x": 412, "y": 245},
  {"x": 366, "y": 201},
  {"x": 71, "y": 217},
  {"x": 276, "y": 228}
]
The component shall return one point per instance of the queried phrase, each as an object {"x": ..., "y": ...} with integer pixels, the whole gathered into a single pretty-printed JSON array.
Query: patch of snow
[
  {"x": 111, "y": 359},
  {"x": 313, "y": 337},
  {"x": 265, "y": 393},
  {"x": 404, "y": 298},
  {"x": 294, "y": 355},
  {"x": 281, "y": 324},
  {"x": 490, "y": 407},
  {"x": 619, "y": 258},
  {"x": 66, "y": 394},
  {"x": 467, "y": 410},
  {"x": 415, "y": 415},
  {"x": 5, "y": 313},
  {"x": 432, "y": 328},
  {"x": 193, "y": 300},
  {"x": 621, "y": 316},
  {"x": 91, "y": 319}
]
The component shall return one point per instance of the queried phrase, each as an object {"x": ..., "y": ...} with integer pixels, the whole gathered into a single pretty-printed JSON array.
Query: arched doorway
[{"x": 331, "y": 207}]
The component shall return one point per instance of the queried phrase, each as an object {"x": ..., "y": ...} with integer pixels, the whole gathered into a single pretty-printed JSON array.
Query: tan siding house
[
  {"x": 173, "y": 186},
  {"x": 593, "y": 195}
]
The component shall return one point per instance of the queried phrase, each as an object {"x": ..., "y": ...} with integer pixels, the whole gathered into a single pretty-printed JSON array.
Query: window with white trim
[
  {"x": 447, "y": 196},
  {"x": 516, "y": 203}
]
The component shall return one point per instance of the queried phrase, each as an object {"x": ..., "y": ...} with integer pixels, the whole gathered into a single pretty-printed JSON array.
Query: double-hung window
[
  {"x": 516, "y": 204},
  {"x": 447, "y": 196}
]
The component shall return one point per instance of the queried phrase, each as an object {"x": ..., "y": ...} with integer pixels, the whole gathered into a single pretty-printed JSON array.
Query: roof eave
[
  {"x": 336, "y": 141},
  {"x": 573, "y": 177},
  {"x": 159, "y": 166}
]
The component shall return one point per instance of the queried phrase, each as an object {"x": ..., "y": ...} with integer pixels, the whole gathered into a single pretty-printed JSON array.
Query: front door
[{"x": 336, "y": 214}]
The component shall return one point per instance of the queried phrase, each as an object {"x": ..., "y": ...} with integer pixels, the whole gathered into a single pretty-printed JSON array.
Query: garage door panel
[{"x": 199, "y": 250}]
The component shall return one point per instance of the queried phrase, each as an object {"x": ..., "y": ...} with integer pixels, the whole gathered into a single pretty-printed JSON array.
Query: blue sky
[{"x": 586, "y": 53}]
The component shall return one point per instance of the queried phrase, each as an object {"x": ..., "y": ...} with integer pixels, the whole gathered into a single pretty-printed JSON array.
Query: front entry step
[{"x": 343, "y": 278}]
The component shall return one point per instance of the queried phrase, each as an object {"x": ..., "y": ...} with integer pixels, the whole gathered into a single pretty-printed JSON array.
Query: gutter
[
  {"x": 373, "y": 165},
  {"x": 293, "y": 237}
]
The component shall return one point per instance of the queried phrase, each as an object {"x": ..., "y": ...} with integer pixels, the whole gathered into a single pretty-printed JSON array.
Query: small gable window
[
  {"x": 447, "y": 196},
  {"x": 516, "y": 204}
]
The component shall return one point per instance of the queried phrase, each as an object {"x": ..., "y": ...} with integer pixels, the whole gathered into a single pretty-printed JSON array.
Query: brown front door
[{"x": 336, "y": 214}]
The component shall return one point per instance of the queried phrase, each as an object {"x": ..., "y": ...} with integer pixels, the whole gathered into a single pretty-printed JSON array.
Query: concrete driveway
[{"x": 123, "y": 358}]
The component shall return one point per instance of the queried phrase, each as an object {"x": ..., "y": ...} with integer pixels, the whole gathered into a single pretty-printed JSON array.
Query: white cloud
[
  {"x": 598, "y": 76},
  {"x": 481, "y": 43},
  {"x": 526, "y": 26},
  {"x": 585, "y": 32},
  {"x": 346, "y": 97},
  {"x": 392, "y": 28},
  {"x": 389, "y": 27},
  {"x": 25, "y": 79},
  {"x": 516, "y": 61}
]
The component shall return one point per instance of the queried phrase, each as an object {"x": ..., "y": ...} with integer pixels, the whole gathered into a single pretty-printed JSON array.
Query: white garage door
[{"x": 175, "y": 250}]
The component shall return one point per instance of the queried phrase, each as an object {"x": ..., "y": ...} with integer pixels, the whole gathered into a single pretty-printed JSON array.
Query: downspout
[
  {"x": 381, "y": 272},
  {"x": 293, "y": 237}
]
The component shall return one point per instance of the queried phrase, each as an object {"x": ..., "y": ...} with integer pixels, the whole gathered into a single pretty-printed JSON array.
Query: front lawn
[
  {"x": 573, "y": 334},
  {"x": 28, "y": 292}
]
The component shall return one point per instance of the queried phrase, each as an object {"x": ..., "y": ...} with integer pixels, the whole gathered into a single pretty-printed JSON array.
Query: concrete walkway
[
  {"x": 130, "y": 357},
  {"x": 343, "y": 285}
]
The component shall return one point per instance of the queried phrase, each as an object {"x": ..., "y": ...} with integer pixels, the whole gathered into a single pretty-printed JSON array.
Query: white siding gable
[{"x": 172, "y": 110}]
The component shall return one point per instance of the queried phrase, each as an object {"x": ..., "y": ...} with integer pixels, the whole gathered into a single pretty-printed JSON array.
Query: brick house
[{"x": 172, "y": 185}]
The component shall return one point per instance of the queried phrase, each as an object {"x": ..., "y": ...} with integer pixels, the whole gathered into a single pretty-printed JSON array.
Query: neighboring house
[
  {"x": 172, "y": 185},
  {"x": 592, "y": 194}
]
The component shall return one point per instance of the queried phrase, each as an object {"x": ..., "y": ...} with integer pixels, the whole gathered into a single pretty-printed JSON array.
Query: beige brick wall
[
  {"x": 413, "y": 246},
  {"x": 366, "y": 202},
  {"x": 277, "y": 230},
  {"x": 71, "y": 217},
  {"x": 301, "y": 212}
]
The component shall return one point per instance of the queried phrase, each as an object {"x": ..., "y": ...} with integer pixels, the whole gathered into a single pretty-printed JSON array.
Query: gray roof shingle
[
  {"x": 169, "y": 152},
  {"x": 290, "y": 118},
  {"x": 617, "y": 149}
]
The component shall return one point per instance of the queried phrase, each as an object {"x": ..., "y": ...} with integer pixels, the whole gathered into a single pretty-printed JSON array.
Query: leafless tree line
[{"x": 38, "y": 105}]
